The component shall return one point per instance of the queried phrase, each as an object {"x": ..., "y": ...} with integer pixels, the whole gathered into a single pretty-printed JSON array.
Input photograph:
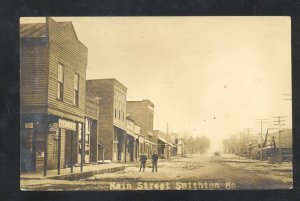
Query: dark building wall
[
  {"x": 92, "y": 114},
  {"x": 104, "y": 90},
  {"x": 34, "y": 54}
]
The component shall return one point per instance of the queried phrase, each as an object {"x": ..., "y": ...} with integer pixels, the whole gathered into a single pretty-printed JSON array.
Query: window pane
[
  {"x": 60, "y": 73},
  {"x": 76, "y": 81},
  {"x": 58, "y": 90}
]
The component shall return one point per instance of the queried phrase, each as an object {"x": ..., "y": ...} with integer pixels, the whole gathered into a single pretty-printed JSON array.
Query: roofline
[
  {"x": 109, "y": 79},
  {"x": 59, "y": 22},
  {"x": 143, "y": 100}
]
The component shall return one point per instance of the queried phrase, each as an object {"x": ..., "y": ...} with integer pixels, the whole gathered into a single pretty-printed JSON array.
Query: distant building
[
  {"x": 278, "y": 142},
  {"x": 53, "y": 66},
  {"x": 142, "y": 113},
  {"x": 164, "y": 145},
  {"x": 134, "y": 140},
  {"x": 180, "y": 147},
  {"x": 174, "y": 142},
  {"x": 112, "y": 121}
]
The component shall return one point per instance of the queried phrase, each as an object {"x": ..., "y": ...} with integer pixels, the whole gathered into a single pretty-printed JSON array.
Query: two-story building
[
  {"x": 112, "y": 121},
  {"x": 142, "y": 113},
  {"x": 53, "y": 66}
]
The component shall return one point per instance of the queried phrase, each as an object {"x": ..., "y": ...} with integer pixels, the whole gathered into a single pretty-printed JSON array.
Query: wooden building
[
  {"x": 53, "y": 66},
  {"x": 279, "y": 142},
  {"x": 164, "y": 146}
]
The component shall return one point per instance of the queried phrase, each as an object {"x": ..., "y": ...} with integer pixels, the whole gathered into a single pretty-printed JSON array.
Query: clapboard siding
[
  {"x": 34, "y": 74},
  {"x": 72, "y": 54}
]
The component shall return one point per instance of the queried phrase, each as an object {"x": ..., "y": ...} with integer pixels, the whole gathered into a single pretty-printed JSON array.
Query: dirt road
[{"x": 197, "y": 172}]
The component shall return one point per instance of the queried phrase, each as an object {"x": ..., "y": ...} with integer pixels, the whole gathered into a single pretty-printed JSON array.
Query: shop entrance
[{"x": 70, "y": 148}]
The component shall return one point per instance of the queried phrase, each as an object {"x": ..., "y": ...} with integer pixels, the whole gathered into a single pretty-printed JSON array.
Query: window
[
  {"x": 115, "y": 108},
  {"x": 88, "y": 124},
  {"x": 124, "y": 111},
  {"x": 76, "y": 89},
  {"x": 60, "y": 82},
  {"x": 120, "y": 109}
]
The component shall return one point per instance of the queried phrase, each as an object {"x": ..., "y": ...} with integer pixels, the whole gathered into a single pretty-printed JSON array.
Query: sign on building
[{"x": 69, "y": 125}]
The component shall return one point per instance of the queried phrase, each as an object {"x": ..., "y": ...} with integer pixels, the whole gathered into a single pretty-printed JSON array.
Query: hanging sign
[
  {"x": 69, "y": 125},
  {"x": 28, "y": 125}
]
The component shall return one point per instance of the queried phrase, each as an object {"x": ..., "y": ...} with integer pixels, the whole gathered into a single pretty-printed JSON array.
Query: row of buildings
[
  {"x": 275, "y": 142},
  {"x": 67, "y": 120}
]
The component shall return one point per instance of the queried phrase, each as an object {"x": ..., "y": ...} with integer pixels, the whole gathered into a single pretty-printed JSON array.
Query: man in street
[
  {"x": 143, "y": 160},
  {"x": 154, "y": 162}
]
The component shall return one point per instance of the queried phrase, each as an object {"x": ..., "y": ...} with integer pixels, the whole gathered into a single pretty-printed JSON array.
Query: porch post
[
  {"x": 72, "y": 139},
  {"x": 46, "y": 150},
  {"x": 33, "y": 155},
  {"x": 59, "y": 150},
  {"x": 125, "y": 146},
  {"x": 82, "y": 146},
  {"x": 102, "y": 155}
]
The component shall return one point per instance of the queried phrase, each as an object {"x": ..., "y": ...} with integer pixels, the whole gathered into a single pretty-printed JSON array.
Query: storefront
[{"x": 49, "y": 142}]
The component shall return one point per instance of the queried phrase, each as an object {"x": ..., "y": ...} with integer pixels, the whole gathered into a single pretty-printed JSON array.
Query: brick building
[
  {"x": 112, "y": 121},
  {"x": 142, "y": 113},
  {"x": 53, "y": 66}
]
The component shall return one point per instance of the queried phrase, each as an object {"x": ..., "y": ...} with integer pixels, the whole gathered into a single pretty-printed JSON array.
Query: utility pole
[
  {"x": 242, "y": 143},
  {"x": 261, "y": 126},
  {"x": 248, "y": 136},
  {"x": 279, "y": 124}
]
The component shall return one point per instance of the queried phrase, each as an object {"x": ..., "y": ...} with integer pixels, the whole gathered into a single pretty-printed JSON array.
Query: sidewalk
[{"x": 88, "y": 170}]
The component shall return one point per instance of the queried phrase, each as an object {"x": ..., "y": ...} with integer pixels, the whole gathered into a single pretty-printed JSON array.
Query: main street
[{"x": 196, "y": 172}]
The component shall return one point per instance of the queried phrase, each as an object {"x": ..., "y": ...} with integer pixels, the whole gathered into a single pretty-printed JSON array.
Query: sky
[{"x": 208, "y": 76}]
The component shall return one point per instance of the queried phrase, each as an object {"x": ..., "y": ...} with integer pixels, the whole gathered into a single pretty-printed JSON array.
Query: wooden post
[
  {"x": 138, "y": 148},
  {"x": 72, "y": 139},
  {"x": 33, "y": 155},
  {"x": 59, "y": 151},
  {"x": 125, "y": 146},
  {"x": 46, "y": 151},
  {"x": 82, "y": 146},
  {"x": 103, "y": 155}
]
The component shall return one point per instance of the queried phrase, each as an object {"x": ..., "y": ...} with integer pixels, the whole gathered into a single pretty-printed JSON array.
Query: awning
[
  {"x": 166, "y": 142},
  {"x": 132, "y": 134},
  {"x": 268, "y": 147},
  {"x": 147, "y": 141},
  {"x": 120, "y": 127}
]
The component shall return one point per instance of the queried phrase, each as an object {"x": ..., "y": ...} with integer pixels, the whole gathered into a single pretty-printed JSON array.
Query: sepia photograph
[{"x": 155, "y": 103}]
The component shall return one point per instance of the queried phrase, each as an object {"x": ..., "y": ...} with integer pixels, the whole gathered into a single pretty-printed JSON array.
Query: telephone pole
[
  {"x": 262, "y": 121},
  {"x": 249, "y": 138},
  {"x": 279, "y": 123}
]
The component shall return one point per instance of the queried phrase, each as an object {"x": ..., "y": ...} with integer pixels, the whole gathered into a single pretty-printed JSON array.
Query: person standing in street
[
  {"x": 154, "y": 162},
  {"x": 143, "y": 160}
]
